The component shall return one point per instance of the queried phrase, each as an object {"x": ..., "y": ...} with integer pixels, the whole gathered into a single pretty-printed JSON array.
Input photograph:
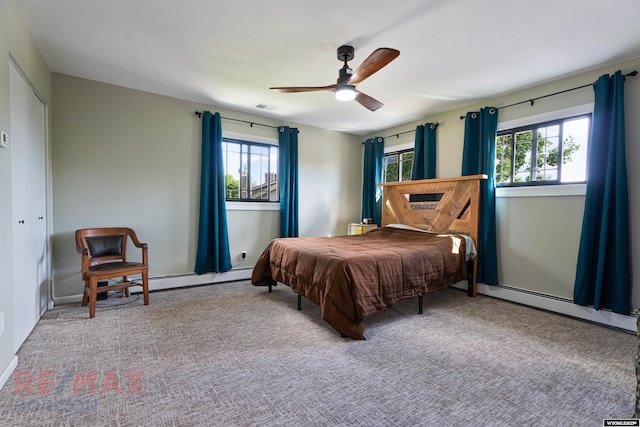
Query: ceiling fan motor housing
[{"x": 345, "y": 53}]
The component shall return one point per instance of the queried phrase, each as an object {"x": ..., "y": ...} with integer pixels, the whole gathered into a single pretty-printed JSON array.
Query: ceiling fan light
[{"x": 346, "y": 93}]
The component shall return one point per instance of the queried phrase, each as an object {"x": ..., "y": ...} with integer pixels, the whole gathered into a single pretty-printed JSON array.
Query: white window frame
[
  {"x": 400, "y": 147},
  {"x": 251, "y": 206},
  {"x": 544, "y": 190}
]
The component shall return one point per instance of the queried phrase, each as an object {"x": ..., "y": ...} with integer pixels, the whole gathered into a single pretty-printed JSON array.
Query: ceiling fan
[{"x": 345, "y": 88}]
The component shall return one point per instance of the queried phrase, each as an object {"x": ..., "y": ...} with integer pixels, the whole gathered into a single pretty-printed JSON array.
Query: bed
[{"x": 426, "y": 243}]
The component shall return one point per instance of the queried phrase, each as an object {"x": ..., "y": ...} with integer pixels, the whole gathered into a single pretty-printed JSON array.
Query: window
[
  {"x": 397, "y": 166},
  {"x": 553, "y": 152},
  {"x": 250, "y": 171}
]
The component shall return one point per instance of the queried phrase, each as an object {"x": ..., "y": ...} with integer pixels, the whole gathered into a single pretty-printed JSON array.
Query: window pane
[
  {"x": 503, "y": 158},
  {"x": 522, "y": 167},
  {"x": 547, "y": 156},
  {"x": 244, "y": 177},
  {"x": 391, "y": 168},
  {"x": 259, "y": 171},
  {"x": 231, "y": 161},
  {"x": 406, "y": 165},
  {"x": 274, "y": 194},
  {"x": 574, "y": 149},
  {"x": 526, "y": 135}
]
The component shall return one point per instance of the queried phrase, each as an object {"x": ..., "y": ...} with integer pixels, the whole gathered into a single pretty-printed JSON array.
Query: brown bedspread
[{"x": 353, "y": 276}]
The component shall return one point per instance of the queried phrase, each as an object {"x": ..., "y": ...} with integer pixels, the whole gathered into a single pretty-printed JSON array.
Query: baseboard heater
[{"x": 557, "y": 304}]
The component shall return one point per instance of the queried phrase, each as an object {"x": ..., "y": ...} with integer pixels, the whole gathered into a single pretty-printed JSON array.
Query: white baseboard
[
  {"x": 521, "y": 296},
  {"x": 557, "y": 305},
  {"x": 4, "y": 376},
  {"x": 177, "y": 281}
]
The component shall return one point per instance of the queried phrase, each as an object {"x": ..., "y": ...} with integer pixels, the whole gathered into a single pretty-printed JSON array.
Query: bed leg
[
  {"x": 270, "y": 286},
  {"x": 472, "y": 267},
  {"x": 299, "y": 302},
  {"x": 420, "y": 301}
]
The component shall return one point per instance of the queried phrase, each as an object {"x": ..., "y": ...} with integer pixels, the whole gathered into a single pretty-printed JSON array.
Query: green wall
[
  {"x": 538, "y": 237},
  {"x": 131, "y": 158}
]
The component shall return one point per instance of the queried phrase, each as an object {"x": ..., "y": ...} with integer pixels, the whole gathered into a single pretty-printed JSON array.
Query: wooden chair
[{"x": 104, "y": 256}]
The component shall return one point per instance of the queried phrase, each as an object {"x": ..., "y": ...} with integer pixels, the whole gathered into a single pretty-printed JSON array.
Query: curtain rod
[
  {"x": 532, "y": 100},
  {"x": 199, "y": 114},
  {"x": 397, "y": 135}
]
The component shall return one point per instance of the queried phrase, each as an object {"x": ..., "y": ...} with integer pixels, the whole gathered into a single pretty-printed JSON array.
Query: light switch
[{"x": 4, "y": 140}]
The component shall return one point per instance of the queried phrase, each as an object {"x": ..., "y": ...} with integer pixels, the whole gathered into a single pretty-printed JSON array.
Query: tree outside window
[
  {"x": 397, "y": 166},
  {"x": 546, "y": 153}
]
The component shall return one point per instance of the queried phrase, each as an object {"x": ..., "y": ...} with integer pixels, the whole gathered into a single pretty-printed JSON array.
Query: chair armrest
[
  {"x": 134, "y": 239},
  {"x": 145, "y": 255},
  {"x": 86, "y": 260},
  {"x": 138, "y": 244}
]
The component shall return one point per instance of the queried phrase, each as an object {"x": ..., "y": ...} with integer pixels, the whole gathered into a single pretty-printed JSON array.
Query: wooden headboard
[{"x": 443, "y": 205}]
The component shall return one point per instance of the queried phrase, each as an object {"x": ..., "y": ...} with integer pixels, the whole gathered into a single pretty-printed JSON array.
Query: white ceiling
[{"x": 228, "y": 53}]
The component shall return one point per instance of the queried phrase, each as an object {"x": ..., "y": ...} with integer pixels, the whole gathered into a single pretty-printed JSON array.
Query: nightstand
[{"x": 356, "y": 228}]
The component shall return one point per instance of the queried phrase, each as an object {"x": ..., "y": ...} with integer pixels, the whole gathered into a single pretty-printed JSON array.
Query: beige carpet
[{"x": 234, "y": 355}]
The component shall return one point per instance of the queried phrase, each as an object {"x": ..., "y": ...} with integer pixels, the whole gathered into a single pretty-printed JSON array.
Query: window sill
[
  {"x": 252, "y": 206},
  {"x": 543, "y": 191}
]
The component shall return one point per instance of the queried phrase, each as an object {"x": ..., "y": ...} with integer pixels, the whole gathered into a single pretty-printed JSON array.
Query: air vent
[{"x": 266, "y": 107}]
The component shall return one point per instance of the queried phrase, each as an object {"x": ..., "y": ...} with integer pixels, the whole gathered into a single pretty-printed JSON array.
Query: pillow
[
  {"x": 470, "y": 246},
  {"x": 100, "y": 246},
  {"x": 408, "y": 227}
]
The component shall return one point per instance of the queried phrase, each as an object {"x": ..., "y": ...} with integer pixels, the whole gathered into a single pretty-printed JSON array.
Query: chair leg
[
  {"x": 126, "y": 290},
  {"x": 85, "y": 293},
  {"x": 145, "y": 286},
  {"x": 93, "y": 285}
]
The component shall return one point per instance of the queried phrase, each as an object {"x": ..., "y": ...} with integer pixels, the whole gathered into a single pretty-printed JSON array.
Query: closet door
[
  {"x": 38, "y": 202},
  {"x": 28, "y": 181}
]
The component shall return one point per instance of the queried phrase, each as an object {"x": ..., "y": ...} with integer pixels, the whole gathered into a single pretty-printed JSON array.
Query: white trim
[
  {"x": 252, "y": 206},
  {"x": 556, "y": 304},
  {"x": 545, "y": 117},
  {"x": 400, "y": 147},
  {"x": 542, "y": 190},
  {"x": 4, "y": 377},
  {"x": 249, "y": 138},
  {"x": 178, "y": 281}
]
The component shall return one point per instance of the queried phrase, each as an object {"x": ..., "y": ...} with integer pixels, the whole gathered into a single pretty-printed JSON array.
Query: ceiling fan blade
[
  {"x": 302, "y": 89},
  {"x": 367, "y": 101},
  {"x": 374, "y": 62}
]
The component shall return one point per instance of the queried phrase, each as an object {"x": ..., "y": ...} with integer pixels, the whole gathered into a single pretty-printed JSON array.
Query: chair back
[{"x": 104, "y": 244}]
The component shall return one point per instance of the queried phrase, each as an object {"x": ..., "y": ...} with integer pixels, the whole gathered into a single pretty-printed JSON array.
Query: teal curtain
[
  {"x": 213, "y": 238},
  {"x": 288, "y": 181},
  {"x": 372, "y": 176},
  {"x": 603, "y": 273},
  {"x": 424, "y": 152},
  {"x": 478, "y": 157}
]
